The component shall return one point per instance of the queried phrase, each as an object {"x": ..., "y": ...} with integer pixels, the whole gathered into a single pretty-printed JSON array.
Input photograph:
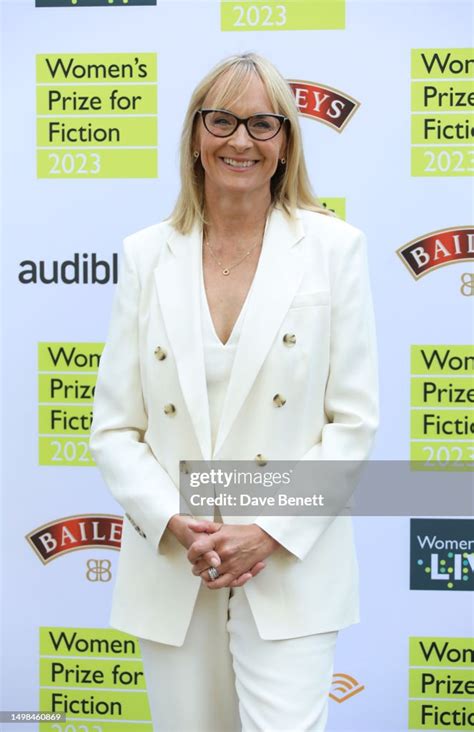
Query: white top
[{"x": 218, "y": 358}]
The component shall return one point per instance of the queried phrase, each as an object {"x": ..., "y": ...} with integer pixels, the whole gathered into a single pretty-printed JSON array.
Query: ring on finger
[{"x": 213, "y": 573}]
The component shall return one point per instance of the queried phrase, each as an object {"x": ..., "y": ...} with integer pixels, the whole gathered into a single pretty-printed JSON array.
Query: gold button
[
  {"x": 279, "y": 400},
  {"x": 160, "y": 353},
  {"x": 260, "y": 459},
  {"x": 289, "y": 339},
  {"x": 169, "y": 409}
]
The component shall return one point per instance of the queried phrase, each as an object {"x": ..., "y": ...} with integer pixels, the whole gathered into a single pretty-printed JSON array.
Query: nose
[{"x": 240, "y": 138}]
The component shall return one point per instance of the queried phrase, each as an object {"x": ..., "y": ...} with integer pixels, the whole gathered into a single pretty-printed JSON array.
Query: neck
[{"x": 236, "y": 218}]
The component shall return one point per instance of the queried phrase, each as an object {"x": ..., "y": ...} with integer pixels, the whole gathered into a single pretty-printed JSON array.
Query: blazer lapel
[
  {"x": 178, "y": 286},
  {"x": 277, "y": 278}
]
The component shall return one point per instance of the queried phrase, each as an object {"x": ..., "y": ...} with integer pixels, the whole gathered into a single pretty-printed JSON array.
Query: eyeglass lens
[{"x": 223, "y": 124}]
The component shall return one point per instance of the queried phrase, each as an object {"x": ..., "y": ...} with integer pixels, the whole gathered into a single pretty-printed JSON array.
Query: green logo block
[
  {"x": 441, "y": 683},
  {"x": 442, "y": 99},
  {"x": 95, "y": 677},
  {"x": 66, "y": 385},
  {"x": 450, "y": 63},
  {"x": 439, "y": 162},
  {"x": 102, "y": 163},
  {"x": 96, "y": 726},
  {"x": 450, "y": 456},
  {"x": 441, "y": 651},
  {"x": 65, "y": 451},
  {"x": 97, "y": 115},
  {"x": 338, "y": 205},
  {"x": 442, "y": 407},
  {"x": 278, "y": 15},
  {"x": 445, "y": 360},
  {"x": 445, "y": 671},
  {"x": 437, "y": 391},
  {"x": 445, "y": 715},
  {"x": 442, "y": 96},
  {"x": 64, "y": 68},
  {"x": 442, "y": 424}
]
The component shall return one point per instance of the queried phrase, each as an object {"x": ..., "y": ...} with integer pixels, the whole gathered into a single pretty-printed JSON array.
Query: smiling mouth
[{"x": 239, "y": 163}]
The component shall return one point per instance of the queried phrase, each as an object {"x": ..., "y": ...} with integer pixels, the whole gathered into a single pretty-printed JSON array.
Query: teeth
[{"x": 239, "y": 164}]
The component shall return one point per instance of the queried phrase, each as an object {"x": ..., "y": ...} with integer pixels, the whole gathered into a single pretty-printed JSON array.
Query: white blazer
[{"x": 312, "y": 282}]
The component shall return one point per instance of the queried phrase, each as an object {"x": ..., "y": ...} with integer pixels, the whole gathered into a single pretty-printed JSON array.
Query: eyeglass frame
[{"x": 244, "y": 121}]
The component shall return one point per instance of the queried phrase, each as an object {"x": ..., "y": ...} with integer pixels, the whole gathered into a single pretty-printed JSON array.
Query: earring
[
  {"x": 196, "y": 154},
  {"x": 283, "y": 161}
]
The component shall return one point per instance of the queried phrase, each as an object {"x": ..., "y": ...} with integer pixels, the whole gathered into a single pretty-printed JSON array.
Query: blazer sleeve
[
  {"x": 351, "y": 396},
  {"x": 133, "y": 475}
]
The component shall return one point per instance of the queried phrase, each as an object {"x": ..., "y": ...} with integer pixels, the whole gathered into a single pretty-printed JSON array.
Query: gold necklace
[{"x": 227, "y": 270}]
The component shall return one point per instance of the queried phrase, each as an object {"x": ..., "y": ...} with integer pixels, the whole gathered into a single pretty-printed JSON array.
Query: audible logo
[
  {"x": 82, "y": 269},
  {"x": 441, "y": 684},
  {"x": 344, "y": 687},
  {"x": 441, "y": 554},
  {"x": 75, "y": 532}
]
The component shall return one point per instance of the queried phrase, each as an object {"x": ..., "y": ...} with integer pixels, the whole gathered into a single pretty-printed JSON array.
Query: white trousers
[{"x": 225, "y": 678}]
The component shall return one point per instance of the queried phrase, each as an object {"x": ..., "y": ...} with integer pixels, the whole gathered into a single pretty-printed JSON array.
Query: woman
[{"x": 242, "y": 329}]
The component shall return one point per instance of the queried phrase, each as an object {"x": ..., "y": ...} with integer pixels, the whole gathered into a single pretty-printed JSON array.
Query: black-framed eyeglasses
[{"x": 221, "y": 123}]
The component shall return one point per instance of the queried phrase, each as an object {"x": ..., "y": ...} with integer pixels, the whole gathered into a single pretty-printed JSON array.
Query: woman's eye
[{"x": 261, "y": 124}]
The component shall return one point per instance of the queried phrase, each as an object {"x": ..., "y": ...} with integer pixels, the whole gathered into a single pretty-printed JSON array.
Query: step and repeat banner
[{"x": 94, "y": 94}]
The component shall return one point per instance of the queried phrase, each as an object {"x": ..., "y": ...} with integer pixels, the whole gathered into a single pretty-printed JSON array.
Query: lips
[{"x": 239, "y": 164}]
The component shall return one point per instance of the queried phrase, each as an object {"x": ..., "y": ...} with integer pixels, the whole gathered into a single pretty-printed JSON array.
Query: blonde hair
[{"x": 290, "y": 186}]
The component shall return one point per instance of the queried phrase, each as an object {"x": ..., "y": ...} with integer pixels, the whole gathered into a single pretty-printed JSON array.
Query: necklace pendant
[{"x": 226, "y": 271}]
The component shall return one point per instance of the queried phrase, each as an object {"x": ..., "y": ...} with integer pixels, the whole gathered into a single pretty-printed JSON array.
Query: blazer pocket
[{"x": 306, "y": 299}]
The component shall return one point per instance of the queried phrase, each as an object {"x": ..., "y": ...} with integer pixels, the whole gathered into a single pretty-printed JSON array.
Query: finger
[
  {"x": 257, "y": 568},
  {"x": 223, "y": 581},
  {"x": 199, "y": 547},
  {"x": 252, "y": 572},
  {"x": 209, "y": 526},
  {"x": 210, "y": 559},
  {"x": 240, "y": 581}
]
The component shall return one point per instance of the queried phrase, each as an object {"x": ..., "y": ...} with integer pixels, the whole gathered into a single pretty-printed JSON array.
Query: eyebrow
[{"x": 224, "y": 109}]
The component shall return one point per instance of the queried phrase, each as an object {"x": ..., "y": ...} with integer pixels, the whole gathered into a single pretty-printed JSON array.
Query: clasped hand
[{"x": 236, "y": 551}]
